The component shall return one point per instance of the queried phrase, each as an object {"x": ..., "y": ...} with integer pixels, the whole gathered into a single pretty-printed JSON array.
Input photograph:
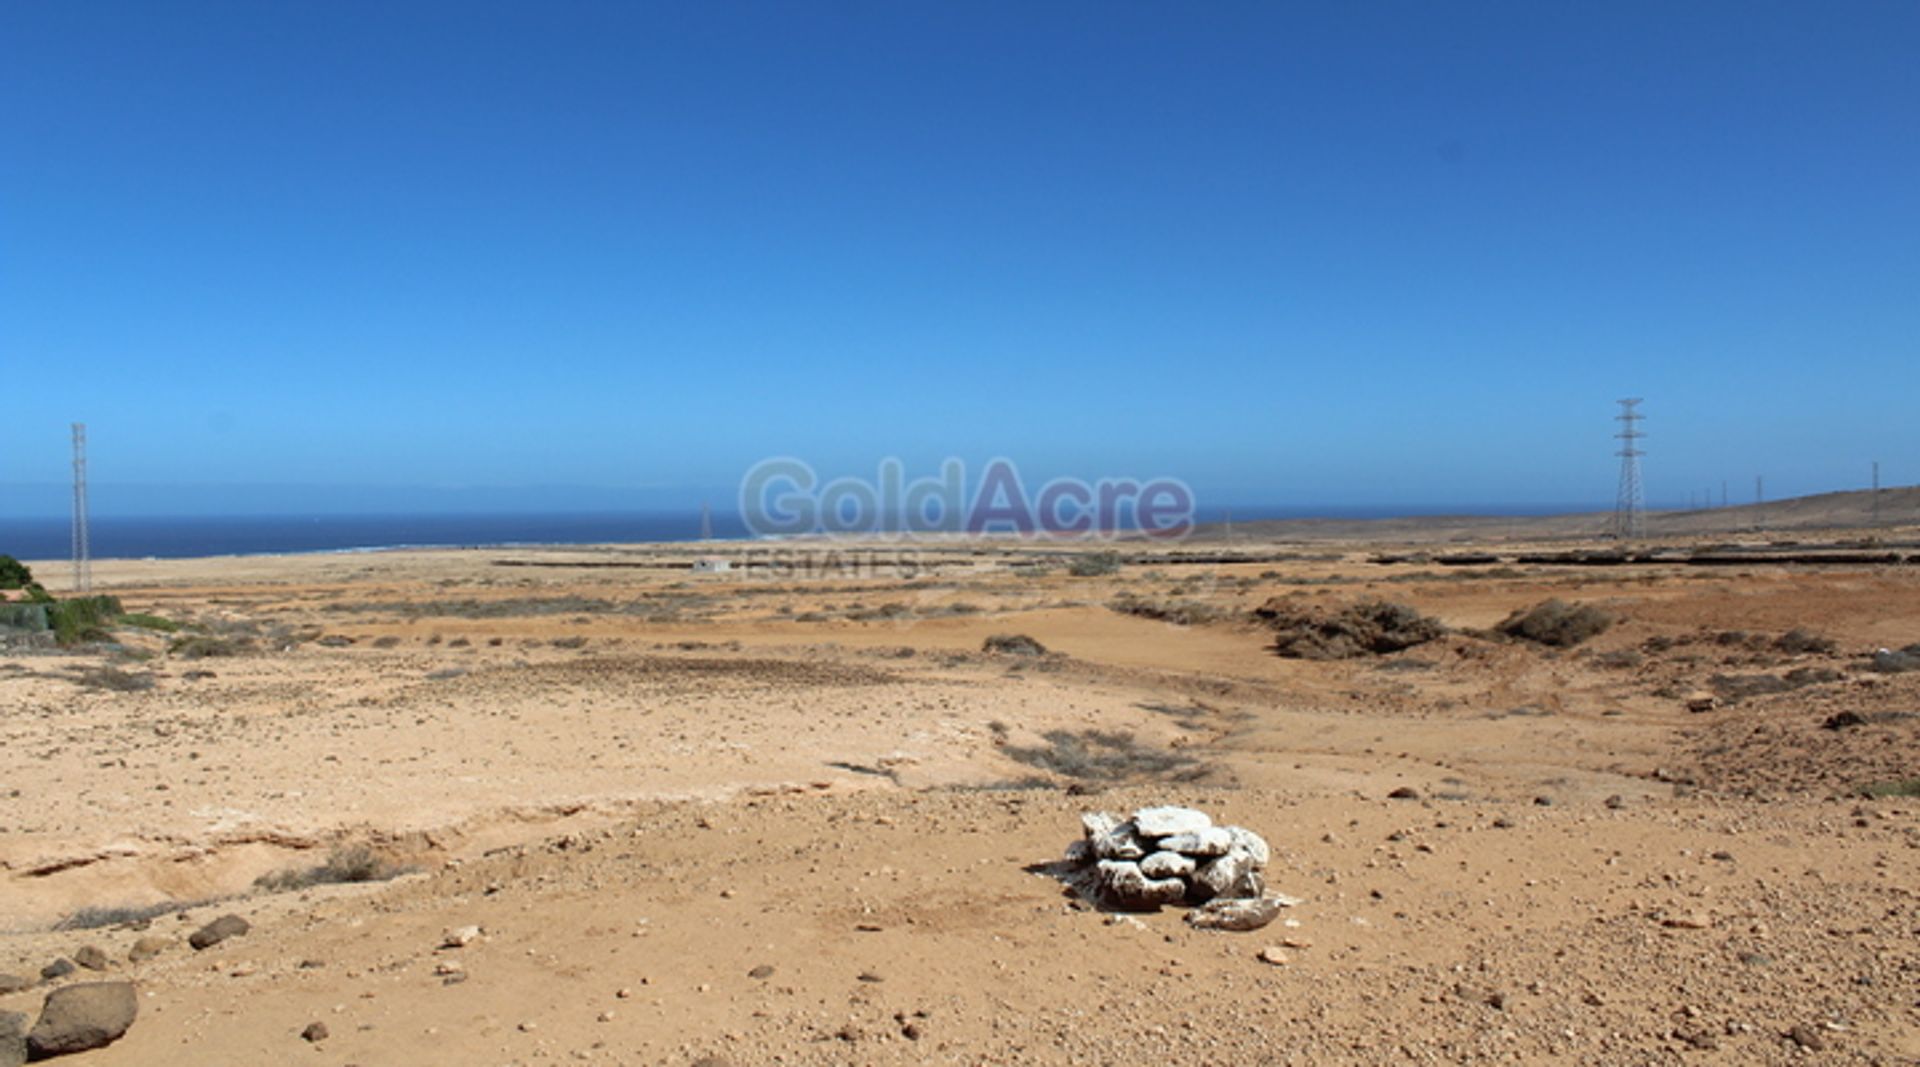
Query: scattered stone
[
  {"x": 92, "y": 957},
  {"x": 765, "y": 970},
  {"x": 13, "y": 983},
  {"x": 1692, "y": 920},
  {"x": 80, "y": 1017},
  {"x": 460, "y": 937},
  {"x": 1405, "y": 792},
  {"x": 1272, "y": 954},
  {"x": 147, "y": 948},
  {"x": 1703, "y": 1040},
  {"x": 1698, "y": 702},
  {"x": 1843, "y": 720},
  {"x": 1807, "y": 1038},
  {"x": 314, "y": 1033},
  {"x": 1168, "y": 820},
  {"x": 217, "y": 931},
  {"x": 1889, "y": 661},
  {"x": 59, "y": 968},
  {"x": 1225, "y": 914},
  {"x": 1616, "y": 802}
]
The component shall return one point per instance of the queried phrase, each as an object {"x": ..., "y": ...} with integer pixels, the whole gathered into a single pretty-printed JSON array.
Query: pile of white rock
[{"x": 1173, "y": 855}]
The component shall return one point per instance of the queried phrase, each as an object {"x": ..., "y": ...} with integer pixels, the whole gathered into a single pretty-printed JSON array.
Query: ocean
[{"x": 178, "y": 537}]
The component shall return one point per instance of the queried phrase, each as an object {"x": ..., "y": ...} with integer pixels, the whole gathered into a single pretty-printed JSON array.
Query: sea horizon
[{"x": 45, "y": 537}]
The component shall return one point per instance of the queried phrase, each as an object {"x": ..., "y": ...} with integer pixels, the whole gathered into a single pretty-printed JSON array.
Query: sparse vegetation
[
  {"x": 82, "y": 619},
  {"x": 142, "y": 620},
  {"x": 1094, "y": 564},
  {"x": 1013, "y": 645},
  {"x": 114, "y": 680},
  {"x": 17, "y": 575},
  {"x": 209, "y": 646},
  {"x": 1803, "y": 642},
  {"x": 1556, "y": 623},
  {"x": 137, "y": 916},
  {"x": 351, "y": 863},
  {"x": 1177, "y": 612},
  {"x": 1106, "y": 756},
  {"x": 1370, "y": 627}
]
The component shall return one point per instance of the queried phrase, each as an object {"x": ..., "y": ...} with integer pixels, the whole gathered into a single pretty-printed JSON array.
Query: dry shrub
[
  {"x": 1556, "y": 623},
  {"x": 350, "y": 863},
  {"x": 1013, "y": 645},
  {"x": 1106, "y": 756},
  {"x": 1177, "y": 612},
  {"x": 1370, "y": 627}
]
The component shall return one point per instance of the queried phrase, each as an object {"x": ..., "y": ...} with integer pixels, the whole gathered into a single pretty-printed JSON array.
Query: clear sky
[{"x": 1388, "y": 254}]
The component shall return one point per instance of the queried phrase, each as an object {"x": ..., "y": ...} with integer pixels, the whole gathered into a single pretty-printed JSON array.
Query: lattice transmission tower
[
  {"x": 82, "y": 551},
  {"x": 1629, "y": 509}
]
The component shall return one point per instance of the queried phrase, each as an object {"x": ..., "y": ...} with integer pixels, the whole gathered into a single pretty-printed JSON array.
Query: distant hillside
[{"x": 1852, "y": 510}]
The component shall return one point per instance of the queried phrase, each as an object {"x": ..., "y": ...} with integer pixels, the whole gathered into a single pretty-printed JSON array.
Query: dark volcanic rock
[
  {"x": 218, "y": 930},
  {"x": 59, "y": 968},
  {"x": 80, "y": 1017},
  {"x": 13, "y": 1039}
]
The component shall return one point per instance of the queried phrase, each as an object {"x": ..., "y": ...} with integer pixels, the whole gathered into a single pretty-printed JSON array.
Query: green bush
[
  {"x": 84, "y": 618},
  {"x": 148, "y": 622},
  {"x": 15, "y": 574}
]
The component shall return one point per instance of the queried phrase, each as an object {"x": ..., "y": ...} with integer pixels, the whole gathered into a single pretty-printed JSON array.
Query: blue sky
[{"x": 1389, "y": 254}]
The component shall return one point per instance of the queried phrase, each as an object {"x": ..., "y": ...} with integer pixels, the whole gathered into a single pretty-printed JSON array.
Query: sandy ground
[{"x": 801, "y": 816}]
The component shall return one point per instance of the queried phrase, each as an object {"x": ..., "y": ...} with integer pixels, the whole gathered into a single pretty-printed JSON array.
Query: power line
[
  {"x": 1629, "y": 508},
  {"x": 82, "y": 551}
]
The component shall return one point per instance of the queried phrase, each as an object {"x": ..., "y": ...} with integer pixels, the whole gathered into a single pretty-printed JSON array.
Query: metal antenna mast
[
  {"x": 82, "y": 552},
  {"x": 1629, "y": 510},
  {"x": 1876, "y": 492}
]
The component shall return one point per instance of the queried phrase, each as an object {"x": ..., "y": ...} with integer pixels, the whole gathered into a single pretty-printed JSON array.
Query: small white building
[{"x": 712, "y": 565}]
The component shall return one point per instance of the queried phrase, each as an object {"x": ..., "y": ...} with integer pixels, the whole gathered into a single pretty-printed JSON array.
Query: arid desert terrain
[{"x": 804, "y": 810}]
